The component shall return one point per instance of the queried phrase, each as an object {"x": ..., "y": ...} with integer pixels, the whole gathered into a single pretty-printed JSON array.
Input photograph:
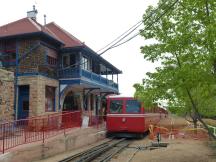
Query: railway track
[{"x": 100, "y": 153}]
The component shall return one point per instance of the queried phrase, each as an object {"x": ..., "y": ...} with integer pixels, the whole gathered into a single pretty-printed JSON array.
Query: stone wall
[
  {"x": 37, "y": 86},
  {"x": 6, "y": 96},
  {"x": 36, "y": 60}
]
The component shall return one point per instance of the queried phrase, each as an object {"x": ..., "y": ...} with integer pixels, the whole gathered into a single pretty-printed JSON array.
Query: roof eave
[{"x": 24, "y": 35}]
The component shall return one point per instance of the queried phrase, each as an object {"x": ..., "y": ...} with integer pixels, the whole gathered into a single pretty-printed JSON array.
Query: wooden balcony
[{"x": 75, "y": 73}]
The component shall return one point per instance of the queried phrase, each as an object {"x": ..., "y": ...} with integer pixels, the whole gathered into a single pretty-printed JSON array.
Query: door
[{"x": 23, "y": 101}]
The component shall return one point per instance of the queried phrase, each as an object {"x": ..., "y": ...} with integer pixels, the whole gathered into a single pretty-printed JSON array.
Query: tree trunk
[
  {"x": 194, "y": 108},
  {"x": 198, "y": 115},
  {"x": 195, "y": 123},
  {"x": 195, "y": 126}
]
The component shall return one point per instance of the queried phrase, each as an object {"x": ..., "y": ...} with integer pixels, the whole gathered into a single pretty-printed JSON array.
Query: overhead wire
[
  {"x": 149, "y": 16},
  {"x": 149, "y": 25},
  {"x": 134, "y": 26},
  {"x": 116, "y": 44}
]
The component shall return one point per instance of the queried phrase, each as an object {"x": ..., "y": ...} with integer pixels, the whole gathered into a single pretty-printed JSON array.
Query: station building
[{"x": 53, "y": 70}]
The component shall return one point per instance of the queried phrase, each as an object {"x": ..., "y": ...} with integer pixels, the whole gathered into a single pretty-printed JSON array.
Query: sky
[{"x": 97, "y": 23}]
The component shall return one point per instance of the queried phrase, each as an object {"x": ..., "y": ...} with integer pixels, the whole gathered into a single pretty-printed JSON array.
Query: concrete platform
[{"x": 72, "y": 140}]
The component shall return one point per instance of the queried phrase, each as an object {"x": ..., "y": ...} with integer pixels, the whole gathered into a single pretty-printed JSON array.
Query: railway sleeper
[{"x": 94, "y": 154}]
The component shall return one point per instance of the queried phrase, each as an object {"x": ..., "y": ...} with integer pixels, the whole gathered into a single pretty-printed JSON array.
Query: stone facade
[
  {"x": 6, "y": 95},
  {"x": 37, "y": 85}
]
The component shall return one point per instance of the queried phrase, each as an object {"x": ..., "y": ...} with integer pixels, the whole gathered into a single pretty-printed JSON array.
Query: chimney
[
  {"x": 44, "y": 19},
  {"x": 32, "y": 14}
]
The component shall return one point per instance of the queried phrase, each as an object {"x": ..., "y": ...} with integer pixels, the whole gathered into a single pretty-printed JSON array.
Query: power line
[
  {"x": 134, "y": 26},
  {"x": 116, "y": 44},
  {"x": 150, "y": 15},
  {"x": 135, "y": 35}
]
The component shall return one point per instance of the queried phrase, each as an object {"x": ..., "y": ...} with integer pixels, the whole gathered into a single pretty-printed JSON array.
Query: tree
[{"x": 185, "y": 48}]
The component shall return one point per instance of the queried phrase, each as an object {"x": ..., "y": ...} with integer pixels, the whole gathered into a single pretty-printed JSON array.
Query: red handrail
[{"x": 39, "y": 128}]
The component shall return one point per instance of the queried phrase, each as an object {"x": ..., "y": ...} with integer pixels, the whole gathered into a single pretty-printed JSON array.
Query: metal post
[
  {"x": 106, "y": 72},
  {"x": 16, "y": 79},
  {"x": 112, "y": 75},
  {"x": 43, "y": 131},
  {"x": 3, "y": 145},
  {"x": 63, "y": 116},
  {"x": 59, "y": 97},
  {"x": 25, "y": 129}
]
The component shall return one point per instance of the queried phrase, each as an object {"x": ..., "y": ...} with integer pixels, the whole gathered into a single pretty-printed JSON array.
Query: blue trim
[
  {"x": 59, "y": 96},
  {"x": 81, "y": 81},
  {"x": 54, "y": 101},
  {"x": 16, "y": 79},
  {"x": 69, "y": 82},
  {"x": 99, "y": 85},
  {"x": 31, "y": 74},
  {"x": 92, "y": 77}
]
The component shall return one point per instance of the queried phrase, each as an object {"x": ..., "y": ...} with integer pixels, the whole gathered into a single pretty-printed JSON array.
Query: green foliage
[{"x": 185, "y": 48}]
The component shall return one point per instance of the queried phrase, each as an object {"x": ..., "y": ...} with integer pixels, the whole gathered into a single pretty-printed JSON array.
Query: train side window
[
  {"x": 133, "y": 106},
  {"x": 116, "y": 106}
]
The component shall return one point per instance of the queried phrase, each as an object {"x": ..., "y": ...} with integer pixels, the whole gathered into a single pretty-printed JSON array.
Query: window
[
  {"x": 116, "y": 106},
  {"x": 85, "y": 63},
  {"x": 51, "y": 60},
  {"x": 133, "y": 106},
  {"x": 72, "y": 60},
  {"x": 66, "y": 61},
  {"x": 69, "y": 60},
  {"x": 50, "y": 99}
]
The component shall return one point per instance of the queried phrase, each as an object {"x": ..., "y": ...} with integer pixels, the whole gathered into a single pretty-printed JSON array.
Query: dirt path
[{"x": 177, "y": 151}]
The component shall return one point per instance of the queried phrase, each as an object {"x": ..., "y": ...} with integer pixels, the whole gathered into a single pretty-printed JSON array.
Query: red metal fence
[{"x": 34, "y": 129}]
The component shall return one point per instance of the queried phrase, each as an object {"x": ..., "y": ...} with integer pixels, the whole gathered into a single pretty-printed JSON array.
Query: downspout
[
  {"x": 59, "y": 97},
  {"x": 16, "y": 81},
  {"x": 60, "y": 64}
]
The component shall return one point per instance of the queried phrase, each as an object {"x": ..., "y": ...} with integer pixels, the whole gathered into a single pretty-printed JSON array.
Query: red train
[{"x": 126, "y": 117}]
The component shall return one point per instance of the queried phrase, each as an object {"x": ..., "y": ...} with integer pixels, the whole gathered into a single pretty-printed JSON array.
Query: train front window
[
  {"x": 133, "y": 106},
  {"x": 116, "y": 106}
]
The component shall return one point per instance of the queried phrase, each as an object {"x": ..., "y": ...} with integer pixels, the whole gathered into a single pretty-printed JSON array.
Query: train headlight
[{"x": 123, "y": 120}]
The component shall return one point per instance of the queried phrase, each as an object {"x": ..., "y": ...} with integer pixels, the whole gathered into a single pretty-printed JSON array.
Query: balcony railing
[
  {"x": 69, "y": 73},
  {"x": 78, "y": 73},
  {"x": 8, "y": 63}
]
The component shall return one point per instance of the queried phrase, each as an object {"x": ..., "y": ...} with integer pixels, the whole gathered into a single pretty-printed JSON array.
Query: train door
[{"x": 134, "y": 118}]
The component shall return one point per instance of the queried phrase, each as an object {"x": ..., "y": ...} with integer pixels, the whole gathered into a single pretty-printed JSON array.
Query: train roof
[{"x": 119, "y": 96}]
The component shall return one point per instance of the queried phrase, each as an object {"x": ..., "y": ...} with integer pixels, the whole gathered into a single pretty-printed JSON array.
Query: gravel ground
[{"x": 178, "y": 150}]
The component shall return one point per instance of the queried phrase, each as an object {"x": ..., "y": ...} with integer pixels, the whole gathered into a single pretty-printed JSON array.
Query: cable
[
  {"x": 138, "y": 23},
  {"x": 116, "y": 44},
  {"x": 150, "y": 15},
  {"x": 138, "y": 32}
]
